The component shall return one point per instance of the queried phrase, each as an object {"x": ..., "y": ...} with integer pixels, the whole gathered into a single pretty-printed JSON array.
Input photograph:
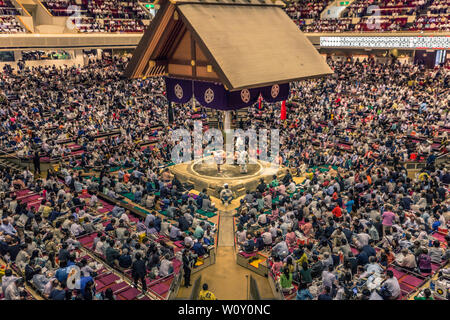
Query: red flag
[
  {"x": 283, "y": 110},
  {"x": 259, "y": 102}
]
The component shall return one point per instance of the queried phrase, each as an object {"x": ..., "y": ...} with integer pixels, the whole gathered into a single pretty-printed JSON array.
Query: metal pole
[{"x": 247, "y": 286}]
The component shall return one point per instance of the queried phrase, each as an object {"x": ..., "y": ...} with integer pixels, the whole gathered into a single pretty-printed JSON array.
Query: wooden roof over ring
[{"x": 240, "y": 43}]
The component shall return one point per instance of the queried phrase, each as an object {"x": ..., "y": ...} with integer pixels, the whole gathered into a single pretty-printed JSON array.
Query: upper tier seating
[
  {"x": 7, "y": 8},
  {"x": 9, "y": 24}
]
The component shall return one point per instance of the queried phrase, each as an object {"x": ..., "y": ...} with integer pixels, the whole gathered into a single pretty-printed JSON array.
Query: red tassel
[
  {"x": 259, "y": 102},
  {"x": 283, "y": 110}
]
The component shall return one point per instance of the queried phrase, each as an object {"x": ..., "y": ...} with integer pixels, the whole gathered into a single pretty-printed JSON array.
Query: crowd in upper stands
[
  {"x": 9, "y": 24},
  {"x": 108, "y": 25},
  {"x": 372, "y": 15},
  {"x": 431, "y": 23},
  {"x": 7, "y": 8},
  {"x": 439, "y": 7},
  {"x": 100, "y": 15},
  {"x": 305, "y": 9},
  {"x": 8, "y": 21},
  {"x": 360, "y": 8}
]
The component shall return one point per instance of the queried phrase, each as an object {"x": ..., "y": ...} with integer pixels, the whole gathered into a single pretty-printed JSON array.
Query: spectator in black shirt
[{"x": 139, "y": 271}]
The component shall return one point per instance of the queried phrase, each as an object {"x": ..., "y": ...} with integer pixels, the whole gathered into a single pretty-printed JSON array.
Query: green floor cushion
[
  {"x": 206, "y": 220},
  {"x": 206, "y": 214},
  {"x": 141, "y": 210},
  {"x": 164, "y": 213},
  {"x": 128, "y": 195}
]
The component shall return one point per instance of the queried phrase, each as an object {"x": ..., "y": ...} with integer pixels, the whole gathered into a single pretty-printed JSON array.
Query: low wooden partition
[
  {"x": 276, "y": 290},
  {"x": 255, "y": 262}
]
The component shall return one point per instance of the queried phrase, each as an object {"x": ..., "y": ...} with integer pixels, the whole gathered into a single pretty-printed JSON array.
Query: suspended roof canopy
[{"x": 238, "y": 43}]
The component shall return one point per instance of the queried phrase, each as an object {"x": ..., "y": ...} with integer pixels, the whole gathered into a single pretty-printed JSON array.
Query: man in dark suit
[{"x": 139, "y": 271}]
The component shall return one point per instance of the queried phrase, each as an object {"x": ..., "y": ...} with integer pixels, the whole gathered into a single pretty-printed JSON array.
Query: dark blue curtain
[
  {"x": 211, "y": 95},
  {"x": 276, "y": 92},
  {"x": 215, "y": 96},
  {"x": 243, "y": 98},
  {"x": 178, "y": 91}
]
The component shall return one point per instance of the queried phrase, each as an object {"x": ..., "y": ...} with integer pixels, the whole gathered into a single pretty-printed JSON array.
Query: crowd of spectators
[
  {"x": 88, "y": 25},
  {"x": 358, "y": 219},
  {"x": 431, "y": 23},
  {"x": 306, "y": 9},
  {"x": 109, "y": 9},
  {"x": 7, "y": 8},
  {"x": 9, "y": 24},
  {"x": 329, "y": 25},
  {"x": 54, "y": 221},
  {"x": 439, "y": 7},
  {"x": 360, "y": 8},
  {"x": 349, "y": 135},
  {"x": 379, "y": 16},
  {"x": 101, "y": 16}
]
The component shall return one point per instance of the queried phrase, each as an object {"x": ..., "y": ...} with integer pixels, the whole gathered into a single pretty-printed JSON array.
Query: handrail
[
  {"x": 24, "y": 24},
  {"x": 23, "y": 8}
]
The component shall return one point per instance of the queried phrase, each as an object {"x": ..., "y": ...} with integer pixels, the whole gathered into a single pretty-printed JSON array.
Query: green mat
[
  {"x": 90, "y": 177},
  {"x": 141, "y": 210},
  {"x": 323, "y": 168},
  {"x": 206, "y": 214},
  {"x": 206, "y": 220},
  {"x": 128, "y": 195},
  {"x": 163, "y": 212}
]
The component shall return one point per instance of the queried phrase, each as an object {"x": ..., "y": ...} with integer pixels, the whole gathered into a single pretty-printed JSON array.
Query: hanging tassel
[
  {"x": 259, "y": 102},
  {"x": 283, "y": 110}
]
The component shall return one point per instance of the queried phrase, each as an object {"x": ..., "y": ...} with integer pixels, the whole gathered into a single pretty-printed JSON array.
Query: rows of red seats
[
  {"x": 87, "y": 25},
  {"x": 431, "y": 23},
  {"x": 306, "y": 9}
]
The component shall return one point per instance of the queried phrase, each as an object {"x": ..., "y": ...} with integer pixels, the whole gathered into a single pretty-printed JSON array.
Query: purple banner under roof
[
  {"x": 178, "y": 90},
  {"x": 215, "y": 96},
  {"x": 243, "y": 98},
  {"x": 276, "y": 92},
  {"x": 211, "y": 95}
]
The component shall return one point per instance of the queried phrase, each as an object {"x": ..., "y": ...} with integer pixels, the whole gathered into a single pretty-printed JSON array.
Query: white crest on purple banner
[
  {"x": 209, "y": 95},
  {"x": 275, "y": 91},
  {"x": 178, "y": 91},
  {"x": 245, "y": 95}
]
